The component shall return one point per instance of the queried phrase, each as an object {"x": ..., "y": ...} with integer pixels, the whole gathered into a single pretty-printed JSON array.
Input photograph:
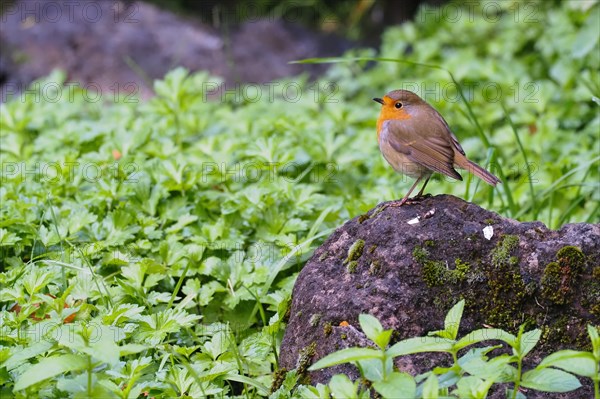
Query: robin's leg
[
  {"x": 405, "y": 199},
  {"x": 420, "y": 194}
]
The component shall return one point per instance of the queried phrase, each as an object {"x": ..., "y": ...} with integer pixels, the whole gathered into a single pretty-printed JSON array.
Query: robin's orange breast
[{"x": 388, "y": 113}]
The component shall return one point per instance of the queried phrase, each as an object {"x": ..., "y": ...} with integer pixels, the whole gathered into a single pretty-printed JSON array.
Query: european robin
[{"x": 416, "y": 141}]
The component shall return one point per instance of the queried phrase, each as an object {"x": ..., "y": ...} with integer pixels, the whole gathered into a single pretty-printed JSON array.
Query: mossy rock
[{"x": 409, "y": 275}]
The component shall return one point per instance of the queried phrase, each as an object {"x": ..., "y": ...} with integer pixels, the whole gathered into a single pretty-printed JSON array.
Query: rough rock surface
[{"x": 408, "y": 265}]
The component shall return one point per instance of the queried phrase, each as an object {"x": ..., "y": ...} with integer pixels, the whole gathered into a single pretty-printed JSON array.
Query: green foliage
[
  {"x": 375, "y": 365},
  {"x": 472, "y": 374},
  {"x": 148, "y": 234},
  {"x": 150, "y": 247}
]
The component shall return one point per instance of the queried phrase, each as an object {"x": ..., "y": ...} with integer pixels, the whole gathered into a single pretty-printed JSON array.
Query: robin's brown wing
[
  {"x": 435, "y": 153},
  {"x": 454, "y": 139}
]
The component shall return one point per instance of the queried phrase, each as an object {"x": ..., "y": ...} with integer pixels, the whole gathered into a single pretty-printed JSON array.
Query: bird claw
[
  {"x": 398, "y": 203},
  {"x": 409, "y": 201}
]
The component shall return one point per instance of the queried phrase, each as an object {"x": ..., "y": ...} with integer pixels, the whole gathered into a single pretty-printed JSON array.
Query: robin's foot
[
  {"x": 422, "y": 197},
  {"x": 408, "y": 201},
  {"x": 400, "y": 203}
]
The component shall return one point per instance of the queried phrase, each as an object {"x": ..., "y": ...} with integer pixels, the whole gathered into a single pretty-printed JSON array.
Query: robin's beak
[{"x": 379, "y": 100}]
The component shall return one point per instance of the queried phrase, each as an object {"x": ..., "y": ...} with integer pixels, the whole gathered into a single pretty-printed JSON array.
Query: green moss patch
[
  {"x": 436, "y": 272},
  {"x": 352, "y": 266},
  {"x": 560, "y": 278},
  {"x": 355, "y": 251},
  {"x": 506, "y": 289}
]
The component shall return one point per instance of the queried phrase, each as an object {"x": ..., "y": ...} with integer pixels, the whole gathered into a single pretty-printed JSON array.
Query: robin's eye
[{"x": 398, "y": 105}]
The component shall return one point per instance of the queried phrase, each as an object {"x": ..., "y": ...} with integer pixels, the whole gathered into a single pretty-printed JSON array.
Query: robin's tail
[{"x": 477, "y": 170}]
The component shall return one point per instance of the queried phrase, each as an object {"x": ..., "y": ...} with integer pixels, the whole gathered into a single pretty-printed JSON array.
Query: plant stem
[
  {"x": 89, "y": 376},
  {"x": 518, "y": 381},
  {"x": 597, "y": 382},
  {"x": 178, "y": 285},
  {"x": 534, "y": 205}
]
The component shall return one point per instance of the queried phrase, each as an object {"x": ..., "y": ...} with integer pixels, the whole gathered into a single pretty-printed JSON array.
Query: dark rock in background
[
  {"x": 408, "y": 266},
  {"x": 123, "y": 46}
]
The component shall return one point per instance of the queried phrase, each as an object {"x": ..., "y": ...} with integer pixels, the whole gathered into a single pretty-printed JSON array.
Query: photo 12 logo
[
  {"x": 255, "y": 171},
  {"x": 31, "y": 12},
  {"x": 55, "y": 331},
  {"x": 491, "y": 92},
  {"x": 291, "y": 92},
  {"x": 54, "y": 92},
  {"x": 488, "y": 11},
  {"x": 71, "y": 172}
]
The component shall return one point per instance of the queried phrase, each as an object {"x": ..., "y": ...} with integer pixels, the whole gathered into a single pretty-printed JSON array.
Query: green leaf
[
  {"x": 346, "y": 356},
  {"x": 383, "y": 339},
  {"x": 447, "y": 378},
  {"x": 595, "y": 338},
  {"x": 22, "y": 355},
  {"x": 374, "y": 330},
  {"x": 312, "y": 392},
  {"x": 373, "y": 369},
  {"x": 519, "y": 395},
  {"x": 130, "y": 349},
  {"x": 342, "y": 388},
  {"x": 468, "y": 387},
  {"x": 485, "y": 334},
  {"x": 474, "y": 387},
  {"x": 588, "y": 35},
  {"x": 576, "y": 362},
  {"x": 431, "y": 387},
  {"x": 452, "y": 320},
  {"x": 497, "y": 369},
  {"x": 219, "y": 343},
  {"x": 528, "y": 341},
  {"x": 183, "y": 221},
  {"x": 420, "y": 344},
  {"x": 262, "y": 389},
  {"x": 95, "y": 340},
  {"x": 7, "y": 238},
  {"x": 370, "y": 326},
  {"x": 48, "y": 368},
  {"x": 397, "y": 385},
  {"x": 550, "y": 380}
]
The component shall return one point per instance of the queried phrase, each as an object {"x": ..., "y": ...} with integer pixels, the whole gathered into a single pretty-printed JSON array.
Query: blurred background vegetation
[
  {"x": 189, "y": 213},
  {"x": 362, "y": 20}
]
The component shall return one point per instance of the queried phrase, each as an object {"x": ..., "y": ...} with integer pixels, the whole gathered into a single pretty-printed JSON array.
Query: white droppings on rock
[
  {"x": 429, "y": 213},
  {"x": 414, "y": 221},
  {"x": 488, "y": 232}
]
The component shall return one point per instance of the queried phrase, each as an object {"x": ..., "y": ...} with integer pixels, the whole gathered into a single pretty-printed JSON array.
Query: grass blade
[{"x": 529, "y": 172}]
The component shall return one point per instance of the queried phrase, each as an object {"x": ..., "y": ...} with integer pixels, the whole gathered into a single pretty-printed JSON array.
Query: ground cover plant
[
  {"x": 471, "y": 375},
  {"x": 150, "y": 247}
]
